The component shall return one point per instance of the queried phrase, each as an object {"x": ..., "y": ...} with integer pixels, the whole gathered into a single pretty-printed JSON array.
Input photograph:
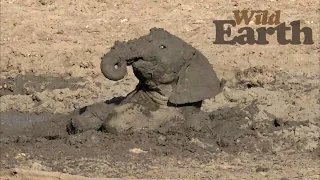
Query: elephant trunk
[
  {"x": 114, "y": 63},
  {"x": 112, "y": 67}
]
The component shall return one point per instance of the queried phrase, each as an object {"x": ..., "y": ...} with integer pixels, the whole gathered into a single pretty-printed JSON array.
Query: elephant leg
[
  {"x": 190, "y": 109},
  {"x": 124, "y": 117},
  {"x": 137, "y": 117},
  {"x": 91, "y": 118}
]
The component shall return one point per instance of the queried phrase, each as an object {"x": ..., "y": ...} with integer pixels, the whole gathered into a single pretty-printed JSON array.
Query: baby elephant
[{"x": 174, "y": 79}]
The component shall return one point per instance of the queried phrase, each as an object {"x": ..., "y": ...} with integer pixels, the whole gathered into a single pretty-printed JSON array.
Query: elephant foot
[
  {"x": 81, "y": 123},
  {"x": 90, "y": 119}
]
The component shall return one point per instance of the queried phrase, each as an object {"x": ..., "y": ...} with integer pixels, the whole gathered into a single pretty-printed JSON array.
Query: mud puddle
[
  {"x": 28, "y": 84},
  {"x": 226, "y": 130},
  {"x": 233, "y": 130}
]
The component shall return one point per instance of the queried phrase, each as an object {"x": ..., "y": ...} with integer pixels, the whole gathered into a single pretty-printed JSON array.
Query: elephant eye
[{"x": 163, "y": 46}]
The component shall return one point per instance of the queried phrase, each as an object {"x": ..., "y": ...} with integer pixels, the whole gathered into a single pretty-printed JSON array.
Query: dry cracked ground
[{"x": 265, "y": 124}]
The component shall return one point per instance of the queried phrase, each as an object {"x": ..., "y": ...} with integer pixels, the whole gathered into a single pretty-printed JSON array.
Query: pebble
[
  {"x": 186, "y": 7},
  {"x": 262, "y": 169},
  {"x": 123, "y": 20},
  {"x": 23, "y": 139},
  {"x": 137, "y": 151},
  {"x": 161, "y": 140}
]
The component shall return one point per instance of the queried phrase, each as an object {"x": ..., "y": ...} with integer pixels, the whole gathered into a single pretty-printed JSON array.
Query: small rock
[
  {"x": 72, "y": 140},
  {"x": 40, "y": 139},
  {"x": 137, "y": 151},
  {"x": 262, "y": 169},
  {"x": 20, "y": 155},
  {"x": 39, "y": 167},
  {"x": 186, "y": 7},
  {"x": 198, "y": 142},
  {"x": 60, "y": 32},
  {"x": 222, "y": 142},
  {"x": 161, "y": 140},
  {"x": 23, "y": 139},
  {"x": 123, "y": 20}
]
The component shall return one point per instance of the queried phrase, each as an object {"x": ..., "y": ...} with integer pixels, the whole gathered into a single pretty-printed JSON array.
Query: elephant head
[{"x": 161, "y": 58}]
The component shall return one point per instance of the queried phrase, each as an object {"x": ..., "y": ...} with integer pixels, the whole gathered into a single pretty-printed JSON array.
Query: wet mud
[
  {"x": 29, "y": 84},
  {"x": 228, "y": 130}
]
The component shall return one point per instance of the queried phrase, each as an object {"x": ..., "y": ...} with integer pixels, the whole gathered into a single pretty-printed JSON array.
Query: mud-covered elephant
[{"x": 174, "y": 79}]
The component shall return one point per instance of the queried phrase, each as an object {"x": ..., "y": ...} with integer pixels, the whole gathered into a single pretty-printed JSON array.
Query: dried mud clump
[{"x": 258, "y": 76}]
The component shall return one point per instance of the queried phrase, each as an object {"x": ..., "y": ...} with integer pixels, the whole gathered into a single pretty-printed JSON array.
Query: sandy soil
[{"x": 265, "y": 125}]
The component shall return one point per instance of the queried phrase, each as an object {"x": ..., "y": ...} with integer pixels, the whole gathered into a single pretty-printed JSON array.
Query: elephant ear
[{"x": 197, "y": 81}]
